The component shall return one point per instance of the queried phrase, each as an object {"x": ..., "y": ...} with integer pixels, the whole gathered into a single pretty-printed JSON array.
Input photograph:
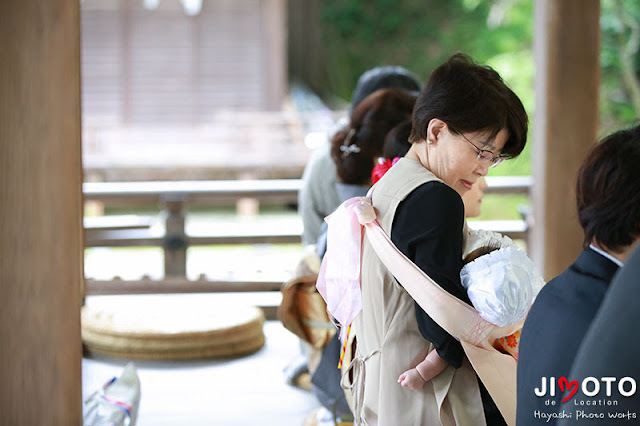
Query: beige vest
[{"x": 389, "y": 341}]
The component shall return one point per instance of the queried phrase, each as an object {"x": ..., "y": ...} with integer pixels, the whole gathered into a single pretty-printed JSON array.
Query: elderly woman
[{"x": 465, "y": 121}]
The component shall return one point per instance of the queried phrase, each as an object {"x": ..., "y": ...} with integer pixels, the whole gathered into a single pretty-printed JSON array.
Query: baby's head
[
  {"x": 501, "y": 282},
  {"x": 480, "y": 251}
]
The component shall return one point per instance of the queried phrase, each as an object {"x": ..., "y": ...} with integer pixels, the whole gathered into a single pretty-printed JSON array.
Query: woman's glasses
[{"x": 483, "y": 154}]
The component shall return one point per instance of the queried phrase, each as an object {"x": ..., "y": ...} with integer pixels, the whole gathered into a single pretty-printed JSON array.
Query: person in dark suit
[
  {"x": 611, "y": 349},
  {"x": 608, "y": 201}
]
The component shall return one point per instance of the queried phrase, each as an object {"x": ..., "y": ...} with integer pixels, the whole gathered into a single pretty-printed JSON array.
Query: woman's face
[
  {"x": 473, "y": 199},
  {"x": 454, "y": 158}
]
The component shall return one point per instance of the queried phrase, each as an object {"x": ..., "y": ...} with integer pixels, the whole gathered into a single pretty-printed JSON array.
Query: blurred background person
[
  {"x": 357, "y": 147},
  {"x": 318, "y": 196}
]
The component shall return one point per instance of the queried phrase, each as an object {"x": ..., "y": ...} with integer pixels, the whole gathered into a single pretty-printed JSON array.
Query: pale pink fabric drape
[{"x": 339, "y": 278}]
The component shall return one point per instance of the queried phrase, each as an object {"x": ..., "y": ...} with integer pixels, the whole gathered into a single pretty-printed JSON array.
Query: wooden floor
[{"x": 243, "y": 391}]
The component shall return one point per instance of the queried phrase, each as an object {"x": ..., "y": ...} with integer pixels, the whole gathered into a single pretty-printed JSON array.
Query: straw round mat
[{"x": 162, "y": 330}]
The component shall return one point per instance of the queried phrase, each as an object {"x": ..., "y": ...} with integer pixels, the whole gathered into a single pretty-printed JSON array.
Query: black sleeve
[{"x": 427, "y": 228}]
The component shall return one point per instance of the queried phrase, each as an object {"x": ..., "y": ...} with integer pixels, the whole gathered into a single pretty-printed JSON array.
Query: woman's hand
[{"x": 411, "y": 379}]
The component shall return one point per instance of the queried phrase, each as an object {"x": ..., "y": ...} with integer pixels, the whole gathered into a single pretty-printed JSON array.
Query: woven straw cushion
[{"x": 160, "y": 329}]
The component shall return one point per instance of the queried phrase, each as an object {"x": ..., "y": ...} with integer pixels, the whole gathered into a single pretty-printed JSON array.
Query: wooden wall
[
  {"x": 161, "y": 66},
  {"x": 40, "y": 213}
]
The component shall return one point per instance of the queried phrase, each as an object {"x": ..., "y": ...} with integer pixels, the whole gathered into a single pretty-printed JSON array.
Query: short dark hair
[
  {"x": 370, "y": 122},
  {"x": 396, "y": 143},
  {"x": 608, "y": 191},
  {"x": 383, "y": 77},
  {"x": 470, "y": 98}
]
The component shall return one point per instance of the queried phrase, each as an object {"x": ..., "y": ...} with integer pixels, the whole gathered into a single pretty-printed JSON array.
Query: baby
[{"x": 501, "y": 282}]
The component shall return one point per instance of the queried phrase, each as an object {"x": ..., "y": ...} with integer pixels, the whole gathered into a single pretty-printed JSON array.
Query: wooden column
[
  {"x": 274, "y": 52},
  {"x": 567, "y": 46},
  {"x": 307, "y": 54},
  {"x": 40, "y": 213}
]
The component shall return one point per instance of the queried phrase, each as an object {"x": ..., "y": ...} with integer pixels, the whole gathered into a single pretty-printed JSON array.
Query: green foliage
[
  {"x": 421, "y": 34},
  {"x": 517, "y": 70},
  {"x": 616, "y": 108}
]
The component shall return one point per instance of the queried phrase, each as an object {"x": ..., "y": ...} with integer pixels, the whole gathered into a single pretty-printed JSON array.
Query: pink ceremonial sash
[
  {"x": 339, "y": 277},
  {"x": 339, "y": 284}
]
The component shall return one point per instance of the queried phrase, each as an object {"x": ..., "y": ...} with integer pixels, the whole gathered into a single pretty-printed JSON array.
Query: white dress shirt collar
[{"x": 607, "y": 255}]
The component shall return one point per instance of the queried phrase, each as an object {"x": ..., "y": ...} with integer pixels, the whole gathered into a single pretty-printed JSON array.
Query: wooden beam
[
  {"x": 207, "y": 192},
  {"x": 226, "y": 192},
  {"x": 40, "y": 213},
  {"x": 514, "y": 229},
  {"x": 509, "y": 185},
  {"x": 274, "y": 52},
  {"x": 567, "y": 46},
  {"x": 173, "y": 285},
  {"x": 147, "y": 238}
]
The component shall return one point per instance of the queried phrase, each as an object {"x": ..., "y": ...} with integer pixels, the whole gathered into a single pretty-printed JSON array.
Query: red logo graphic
[{"x": 565, "y": 385}]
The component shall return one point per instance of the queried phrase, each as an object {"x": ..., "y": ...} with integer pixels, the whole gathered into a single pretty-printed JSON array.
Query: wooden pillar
[
  {"x": 40, "y": 213},
  {"x": 175, "y": 240},
  {"x": 274, "y": 52},
  {"x": 567, "y": 47},
  {"x": 307, "y": 54}
]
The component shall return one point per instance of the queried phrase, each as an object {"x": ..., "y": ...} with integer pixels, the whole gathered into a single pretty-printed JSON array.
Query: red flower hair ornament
[{"x": 384, "y": 164}]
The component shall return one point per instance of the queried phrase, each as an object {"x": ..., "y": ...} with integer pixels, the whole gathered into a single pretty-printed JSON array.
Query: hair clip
[{"x": 347, "y": 148}]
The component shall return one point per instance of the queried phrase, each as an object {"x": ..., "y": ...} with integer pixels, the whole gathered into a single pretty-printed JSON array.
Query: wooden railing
[
  {"x": 212, "y": 192},
  {"x": 174, "y": 198}
]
